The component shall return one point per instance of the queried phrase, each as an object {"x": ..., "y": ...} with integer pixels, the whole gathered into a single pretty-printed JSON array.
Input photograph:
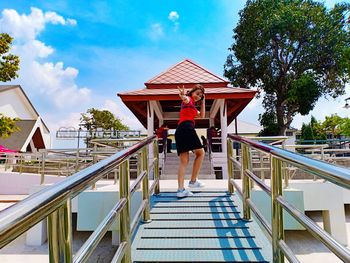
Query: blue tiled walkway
[{"x": 207, "y": 227}]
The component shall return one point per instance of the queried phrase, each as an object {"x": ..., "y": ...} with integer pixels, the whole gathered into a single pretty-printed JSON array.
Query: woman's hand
[
  {"x": 181, "y": 90},
  {"x": 182, "y": 94}
]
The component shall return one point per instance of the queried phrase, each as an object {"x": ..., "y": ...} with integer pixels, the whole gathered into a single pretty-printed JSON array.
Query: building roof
[
  {"x": 4, "y": 88},
  {"x": 17, "y": 139},
  {"x": 7, "y": 87},
  {"x": 163, "y": 91},
  {"x": 244, "y": 127},
  {"x": 162, "y": 94},
  {"x": 185, "y": 72}
]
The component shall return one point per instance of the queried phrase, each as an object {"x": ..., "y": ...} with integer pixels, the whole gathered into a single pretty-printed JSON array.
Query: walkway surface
[
  {"x": 307, "y": 248},
  {"x": 207, "y": 227}
]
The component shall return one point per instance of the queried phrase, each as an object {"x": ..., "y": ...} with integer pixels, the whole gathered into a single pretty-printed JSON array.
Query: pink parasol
[{"x": 6, "y": 150}]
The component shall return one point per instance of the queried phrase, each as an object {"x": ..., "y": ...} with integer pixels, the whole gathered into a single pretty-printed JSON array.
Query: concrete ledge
[{"x": 94, "y": 205}]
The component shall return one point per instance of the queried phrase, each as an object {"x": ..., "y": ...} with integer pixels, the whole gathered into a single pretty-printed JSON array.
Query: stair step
[
  {"x": 196, "y": 199},
  {"x": 195, "y": 243},
  {"x": 205, "y": 224},
  {"x": 197, "y": 193},
  {"x": 193, "y": 204},
  {"x": 199, "y": 217},
  {"x": 193, "y": 210},
  {"x": 195, "y": 233},
  {"x": 198, "y": 256},
  {"x": 206, "y": 227}
]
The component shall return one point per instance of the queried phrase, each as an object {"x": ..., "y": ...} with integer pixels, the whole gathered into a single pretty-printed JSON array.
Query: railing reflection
[
  {"x": 54, "y": 202},
  {"x": 279, "y": 159}
]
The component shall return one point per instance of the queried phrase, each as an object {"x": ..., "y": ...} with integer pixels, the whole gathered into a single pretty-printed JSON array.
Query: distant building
[
  {"x": 33, "y": 134},
  {"x": 244, "y": 128}
]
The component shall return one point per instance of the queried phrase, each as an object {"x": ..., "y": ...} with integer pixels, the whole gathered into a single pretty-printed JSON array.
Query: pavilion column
[
  {"x": 211, "y": 122},
  {"x": 223, "y": 121},
  {"x": 150, "y": 132},
  {"x": 150, "y": 119}
]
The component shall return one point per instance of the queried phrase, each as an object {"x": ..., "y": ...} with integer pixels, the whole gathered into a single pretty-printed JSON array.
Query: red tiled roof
[
  {"x": 223, "y": 92},
  {"x": 186, "y": 71}
]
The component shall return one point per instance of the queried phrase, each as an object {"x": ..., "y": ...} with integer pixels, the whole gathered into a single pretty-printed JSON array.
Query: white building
[
  {"x": 33, "y": 134},
  {"x": 244, "y": 128}
]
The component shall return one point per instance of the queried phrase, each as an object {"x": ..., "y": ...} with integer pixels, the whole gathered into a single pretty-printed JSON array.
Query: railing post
[
  {"x": 156, "y": 167},
  {"x": 94, "y": 160},
  {"x": 145, "y": 185},
  {"x": 246, "y": 181},
  {"x": 60, "y": 234},
  {"x": 21, "y": 163},
  {"x": 77, "y": 161},
  {"x": 42, "y": 176},
  {"x": 277, "y": 210},
  {"x": 116, "y": 176},
  {"x": 124, "y": 192},
  {"x": 229, "y": 165}
]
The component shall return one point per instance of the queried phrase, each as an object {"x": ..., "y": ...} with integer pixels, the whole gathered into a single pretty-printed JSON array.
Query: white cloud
[
  {"x": 57, "y": 84},
  {"x": 47, "y": 79},
  {"x": 173, "y": 16},
  {"x": 123, "y": 113},
  {"x": 32, "y": 49},
  {"x": 28, "y": 27},
  {"x": 156, "y": 31},
  {"x": 71, "y": 21}
]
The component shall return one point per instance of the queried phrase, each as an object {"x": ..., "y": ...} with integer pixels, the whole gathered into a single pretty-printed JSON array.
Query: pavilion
[{"x": 159, "y": 101}]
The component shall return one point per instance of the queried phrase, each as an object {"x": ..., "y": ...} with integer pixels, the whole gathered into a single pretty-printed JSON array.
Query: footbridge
[{"x": 211, "y": 226}]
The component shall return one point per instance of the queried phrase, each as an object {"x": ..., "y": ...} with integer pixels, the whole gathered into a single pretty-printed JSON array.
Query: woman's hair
[{"x": 196, "y": 87}]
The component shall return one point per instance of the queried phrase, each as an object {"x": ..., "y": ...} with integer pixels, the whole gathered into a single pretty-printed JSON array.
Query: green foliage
[
  {"x": 7, "y": 126},
  {"x": 331, "y": 124},
  {"x": 317, "y": 129},
  {"x": 334, "y": 125},
  {"x": 104, "y": 119},
  {"x": 344, "y": 127},
  {"x": 295, "y": 51},
  {"x": 9, "y": 63},
  {"x": 268, "y": 121},
  {"x": 307, "y": 132}
]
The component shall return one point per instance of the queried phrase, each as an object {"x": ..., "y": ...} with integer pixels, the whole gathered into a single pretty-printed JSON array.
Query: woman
[{"x": 187, "y": 139}]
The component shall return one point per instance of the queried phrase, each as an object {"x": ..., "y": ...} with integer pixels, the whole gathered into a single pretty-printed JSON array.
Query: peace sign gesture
[{"x": 181, "y": 90}]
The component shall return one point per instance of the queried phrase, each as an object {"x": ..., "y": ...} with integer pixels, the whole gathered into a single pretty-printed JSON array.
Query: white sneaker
[
  {"x": 183, "y": 193},
  {"x": 196, "y": 184}
]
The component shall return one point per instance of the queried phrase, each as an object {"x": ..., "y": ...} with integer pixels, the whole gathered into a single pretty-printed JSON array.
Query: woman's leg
[
  {"x": 184, "y": 158},
  {"x": 197, "y": 163}
]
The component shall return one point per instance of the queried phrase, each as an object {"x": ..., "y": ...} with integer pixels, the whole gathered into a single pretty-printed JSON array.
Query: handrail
[
  {"x": 337, "y": 175},
  {"x": 88, "y": 247},
  {"x": 54, "y": 201},
  {"x": 334, "y": 174}
]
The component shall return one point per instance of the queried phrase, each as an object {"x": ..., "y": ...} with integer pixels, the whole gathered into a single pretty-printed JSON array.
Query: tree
[
  {"x": 317, "y": 129},
  {"x": 293, "y": 52},
  {"x": 332, "y": 124},
  {"x": 7, "y": 126},
  {"x": 268, "y": 121},
  {"x": 345, "y": 127},
  {"x": 104, "y": 119},
  {"x": 307, "y": 132},
  {"x": 9, "y": 63}
]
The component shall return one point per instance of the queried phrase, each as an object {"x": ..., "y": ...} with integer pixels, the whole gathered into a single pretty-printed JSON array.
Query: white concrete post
[
  {"x": 150, "y": 130},
  {"x": 223, "y": 121},
  {"x": 150, "y": 119}
]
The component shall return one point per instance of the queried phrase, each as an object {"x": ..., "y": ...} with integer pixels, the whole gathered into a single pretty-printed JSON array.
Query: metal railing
[
  {"x": 54, "y": 203},
  {"x": 278, "y": 157},
  {"x": 63, "y": 162}
]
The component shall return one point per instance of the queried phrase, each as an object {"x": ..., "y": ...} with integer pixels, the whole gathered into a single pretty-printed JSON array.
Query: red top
[
  {"x": 159, "y": 132},
  {"x": 188, "y": 111}
]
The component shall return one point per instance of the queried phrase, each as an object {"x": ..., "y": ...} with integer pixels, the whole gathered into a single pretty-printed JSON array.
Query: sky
[{"x": 77, "y": 54}]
